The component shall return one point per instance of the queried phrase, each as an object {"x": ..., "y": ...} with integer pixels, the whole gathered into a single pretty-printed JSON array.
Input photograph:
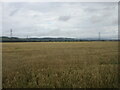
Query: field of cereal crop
[{"x": 60, "y": 64}]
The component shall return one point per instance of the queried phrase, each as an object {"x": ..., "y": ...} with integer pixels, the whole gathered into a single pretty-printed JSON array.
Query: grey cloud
[{"x": 64, "y": 18}]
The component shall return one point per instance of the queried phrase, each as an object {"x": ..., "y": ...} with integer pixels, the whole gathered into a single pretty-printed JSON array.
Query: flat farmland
[{"x": 60, "y": 64}]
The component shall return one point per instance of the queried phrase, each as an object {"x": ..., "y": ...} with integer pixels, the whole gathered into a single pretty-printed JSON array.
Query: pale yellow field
[{"x": 60, "y": 65}]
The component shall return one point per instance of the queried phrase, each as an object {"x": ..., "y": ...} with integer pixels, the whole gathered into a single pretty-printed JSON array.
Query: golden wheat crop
[{"x": 60, "y": 64}]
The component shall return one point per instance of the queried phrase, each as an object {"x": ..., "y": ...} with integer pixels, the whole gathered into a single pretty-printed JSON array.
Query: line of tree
[{"x": 16, "y": 39}]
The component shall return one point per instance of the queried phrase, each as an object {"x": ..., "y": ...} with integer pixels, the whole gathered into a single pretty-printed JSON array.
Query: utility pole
[
  {"x": 11, "y": 33},
  {"x": 27, "y": 37},
  {"x": 99, "y": 36}
]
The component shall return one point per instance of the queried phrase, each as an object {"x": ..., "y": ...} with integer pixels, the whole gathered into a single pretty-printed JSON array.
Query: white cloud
[{"x": 79, "y": 20}]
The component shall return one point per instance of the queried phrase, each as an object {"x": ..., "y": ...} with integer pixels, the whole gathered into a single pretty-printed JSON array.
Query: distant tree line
[{"x": 16, "y": 39}]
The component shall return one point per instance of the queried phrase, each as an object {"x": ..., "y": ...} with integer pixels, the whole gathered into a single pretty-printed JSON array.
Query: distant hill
[{"x": 48, "y": 39}]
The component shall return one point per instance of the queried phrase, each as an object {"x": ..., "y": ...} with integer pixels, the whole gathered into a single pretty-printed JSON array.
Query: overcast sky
[{"x": 45, "y": 19}]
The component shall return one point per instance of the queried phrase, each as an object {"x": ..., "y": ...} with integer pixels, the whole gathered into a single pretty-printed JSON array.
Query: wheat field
[{"x": 60, "y": 64}]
